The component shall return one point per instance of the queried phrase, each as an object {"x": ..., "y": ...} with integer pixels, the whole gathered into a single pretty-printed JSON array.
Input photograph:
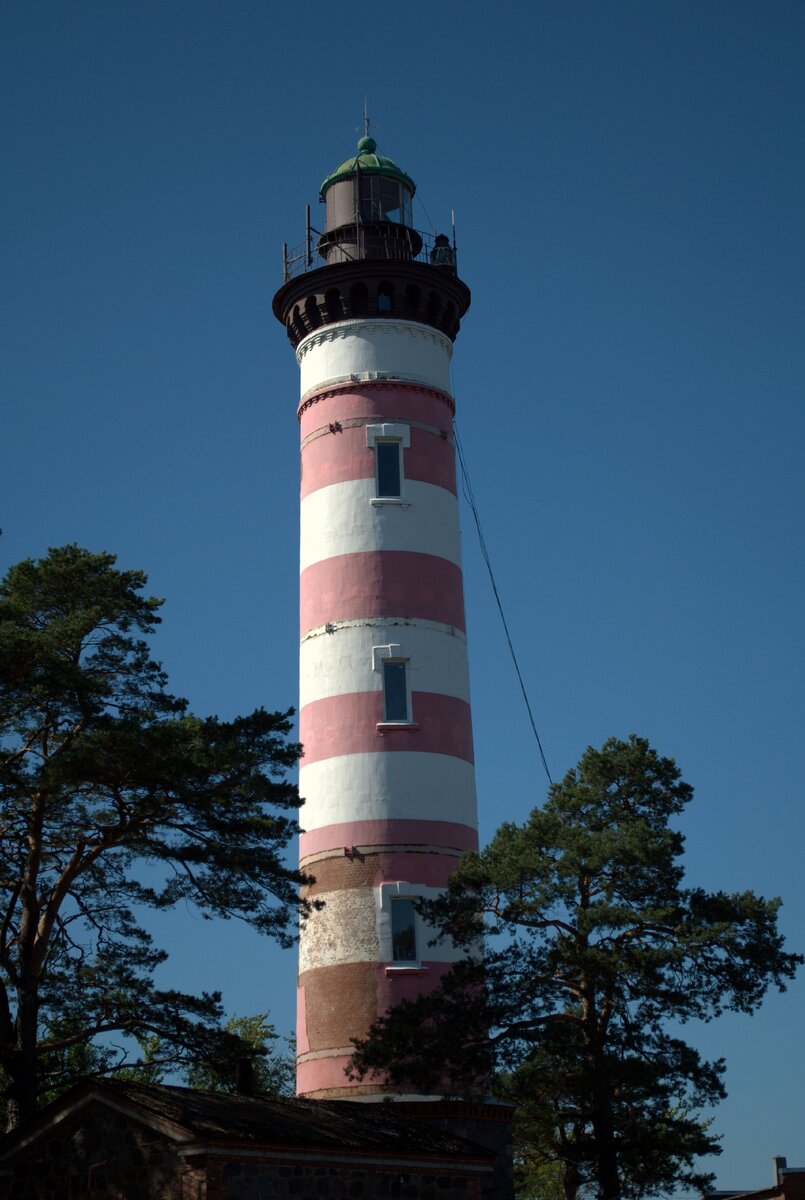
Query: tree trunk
[
  {"x": 21, "y": 1092},
  {"x": 605, "y": 1143},
  {"x": 606, "y": 1154},
  {"x": 571, "y": 1181}
]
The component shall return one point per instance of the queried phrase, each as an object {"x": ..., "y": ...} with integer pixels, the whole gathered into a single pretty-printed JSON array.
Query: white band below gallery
[{"x": 363, "y": 350}]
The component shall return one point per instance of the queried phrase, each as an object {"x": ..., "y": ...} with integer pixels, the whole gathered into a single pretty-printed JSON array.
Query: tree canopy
[
  {"x": 272, "y": 1070},
  {"x": 115, "y": 798},
  {"x": 593, "y": 947}
]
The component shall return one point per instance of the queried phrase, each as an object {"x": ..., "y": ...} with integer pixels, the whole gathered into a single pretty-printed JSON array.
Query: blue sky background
[{"x": 628, "y": 181}]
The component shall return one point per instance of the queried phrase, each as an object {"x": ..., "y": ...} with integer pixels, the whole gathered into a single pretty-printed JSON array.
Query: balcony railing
[{"x": 366, "y": 243}]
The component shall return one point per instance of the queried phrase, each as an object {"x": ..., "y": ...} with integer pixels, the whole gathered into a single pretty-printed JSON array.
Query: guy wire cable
[{"x": 470, "y": 498}]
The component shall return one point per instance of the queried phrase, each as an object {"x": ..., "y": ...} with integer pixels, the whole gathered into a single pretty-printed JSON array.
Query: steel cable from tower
[{"x": 470, "y": 498}]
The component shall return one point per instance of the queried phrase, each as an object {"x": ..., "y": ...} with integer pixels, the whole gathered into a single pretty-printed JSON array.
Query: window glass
[
  {"x": 389, "y": 474},
  {"x": 395, "y": 692},
  {"x": 391, "y": 199},
  {"x": 403, "y": 930},
  {"x": 383, "y": 199},
  {"x": 369, "y": 192}
]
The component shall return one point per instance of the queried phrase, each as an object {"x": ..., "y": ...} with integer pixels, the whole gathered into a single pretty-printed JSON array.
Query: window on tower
[
  {"x": 395, "y": 691},
  {"x": 403, "y": 930},
  {"x": 387, "y": 442},
  {"x": 388, "y": 468}
]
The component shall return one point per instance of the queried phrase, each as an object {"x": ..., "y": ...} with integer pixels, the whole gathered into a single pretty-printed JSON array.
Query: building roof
[
  {"x": 371, "y": 163},
  {"x": 278, "y": 1123},
  {"x": 789, "y": 1185}
]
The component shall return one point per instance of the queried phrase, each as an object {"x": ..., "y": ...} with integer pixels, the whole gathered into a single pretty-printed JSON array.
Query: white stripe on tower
[
  {"x": 341, "y": 519},
  {"x": 364, "y": 349}
]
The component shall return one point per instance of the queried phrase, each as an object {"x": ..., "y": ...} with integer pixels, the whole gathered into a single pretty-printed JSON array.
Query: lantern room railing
[{"x": 367, "y": 243}]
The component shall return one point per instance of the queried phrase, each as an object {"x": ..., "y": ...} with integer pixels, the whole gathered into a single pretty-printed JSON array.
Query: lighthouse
[{"x": 372, "y": 308}]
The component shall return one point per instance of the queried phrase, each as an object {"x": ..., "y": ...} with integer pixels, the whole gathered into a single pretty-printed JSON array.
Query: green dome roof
[{"x": 370, "y": 163}]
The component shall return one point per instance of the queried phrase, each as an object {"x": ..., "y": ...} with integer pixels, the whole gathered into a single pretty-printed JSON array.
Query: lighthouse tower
[{"x": 372, "y": 308}]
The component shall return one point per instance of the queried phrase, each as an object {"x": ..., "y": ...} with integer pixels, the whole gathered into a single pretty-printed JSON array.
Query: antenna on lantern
[{"x": 366, "y": 123}]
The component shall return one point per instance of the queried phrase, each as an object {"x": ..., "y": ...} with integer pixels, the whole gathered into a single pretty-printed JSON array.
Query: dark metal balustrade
[{"x": 365, "y": 242}]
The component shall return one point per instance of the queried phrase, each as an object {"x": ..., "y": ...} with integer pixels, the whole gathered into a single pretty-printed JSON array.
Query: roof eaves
[
  {"x": 465, "y": 1164},
  {"x": 64, "y": 1107}
]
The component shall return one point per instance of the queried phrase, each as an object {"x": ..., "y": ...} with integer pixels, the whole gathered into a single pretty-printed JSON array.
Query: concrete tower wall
[{"x": 390, "y": 799}]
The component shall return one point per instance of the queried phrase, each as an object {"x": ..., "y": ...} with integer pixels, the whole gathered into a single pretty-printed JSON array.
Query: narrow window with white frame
[
  {"x": 388, "y": 469},
  {"x": 403, "y": 930},
  {"x": 395, "y": 691},
  {"x": 387, "y": 442}
]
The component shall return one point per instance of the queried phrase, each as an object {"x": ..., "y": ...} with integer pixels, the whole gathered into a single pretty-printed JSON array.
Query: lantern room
[{"x": 368, "y": 200}]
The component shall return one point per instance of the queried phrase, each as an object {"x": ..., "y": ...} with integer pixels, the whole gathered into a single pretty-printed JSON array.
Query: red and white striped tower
[{"x": 372, "y": 309}]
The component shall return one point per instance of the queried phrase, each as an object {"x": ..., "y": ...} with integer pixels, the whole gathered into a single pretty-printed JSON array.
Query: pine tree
[
  {"x": 103, "y": 772},
  {"x": 273, "y": 1072},
  {"x": 593, "y": 946}
]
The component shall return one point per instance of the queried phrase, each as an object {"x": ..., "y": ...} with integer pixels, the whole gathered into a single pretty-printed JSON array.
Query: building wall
[
  {"x": 99, "y": 1154},
  {"x": 249, "y": 1180}
]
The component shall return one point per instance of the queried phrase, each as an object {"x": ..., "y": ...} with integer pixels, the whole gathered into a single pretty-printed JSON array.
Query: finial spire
[{"x": 366, "y": 121}]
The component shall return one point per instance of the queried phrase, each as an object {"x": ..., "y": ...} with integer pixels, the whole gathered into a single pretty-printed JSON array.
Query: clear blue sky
[{"x": 628, "y": 180}]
